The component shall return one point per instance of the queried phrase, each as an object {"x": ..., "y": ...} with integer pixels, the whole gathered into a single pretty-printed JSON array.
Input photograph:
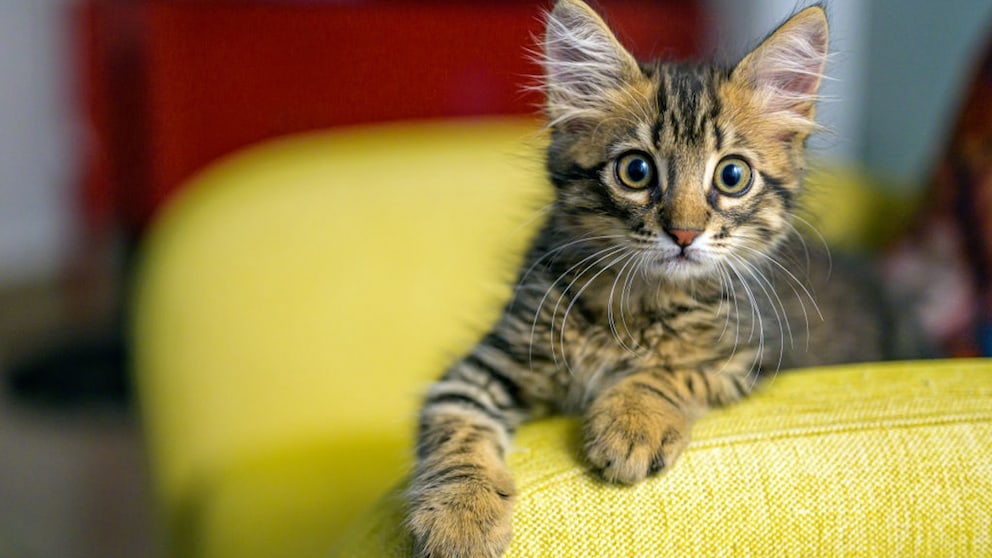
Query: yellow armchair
[{"x": 295, "y": 301}]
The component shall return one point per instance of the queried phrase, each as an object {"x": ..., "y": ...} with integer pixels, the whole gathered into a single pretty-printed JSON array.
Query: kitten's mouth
[
  {"x": 680, "y": 258},
  {"x": 682, "y": 263},
  {"x": 669, "y": 260},
  {"x": 680, "y": 255}
]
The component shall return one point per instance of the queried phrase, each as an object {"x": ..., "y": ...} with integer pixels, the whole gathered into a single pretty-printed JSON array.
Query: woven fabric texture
[{"x": 864, "y": 460}]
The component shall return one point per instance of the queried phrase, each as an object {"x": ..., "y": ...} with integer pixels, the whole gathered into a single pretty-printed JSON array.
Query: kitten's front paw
[
  {"x": 465, "y": 516},
  {"x": 627, "y": 438}
]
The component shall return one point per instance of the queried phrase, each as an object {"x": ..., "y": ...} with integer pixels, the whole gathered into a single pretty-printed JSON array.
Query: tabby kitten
[{"x": 658, "y": 285}]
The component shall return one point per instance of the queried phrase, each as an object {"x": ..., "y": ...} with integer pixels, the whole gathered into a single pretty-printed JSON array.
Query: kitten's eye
[
  {"x": 732, "y": 176},
  {"x": 635, "y": 170}
]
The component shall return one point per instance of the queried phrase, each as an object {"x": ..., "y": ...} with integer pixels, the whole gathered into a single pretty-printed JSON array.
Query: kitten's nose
[{"x": 683, "y": 237}]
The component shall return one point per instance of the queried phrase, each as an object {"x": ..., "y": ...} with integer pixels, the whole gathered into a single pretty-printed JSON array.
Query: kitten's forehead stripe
[
  {"x": 656, "y": 131},
  {"x": 688, "y": 104},
  {"x": 662, "y": 97},
  {"x": 718, "y": 134},
  {"x": 688, "y": 89}
]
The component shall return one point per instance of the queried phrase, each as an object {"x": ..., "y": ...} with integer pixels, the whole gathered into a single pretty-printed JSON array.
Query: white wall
[
  {"x": 921, "y": 54},
  {"x": 37, "y": 159}
]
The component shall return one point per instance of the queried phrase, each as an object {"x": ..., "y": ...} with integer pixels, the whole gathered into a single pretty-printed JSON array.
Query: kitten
[{"x": 666, "y": 277}]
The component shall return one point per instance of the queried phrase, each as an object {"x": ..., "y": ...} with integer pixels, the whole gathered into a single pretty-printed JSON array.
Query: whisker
[
  {"x": 521, "y": 283},
  {"x": 765, "y": 285},
  {"x": 609, "y": 304},
  {"x": 792, "y": 281},
  {"x": 638, "y": 269},
  {"x": 575, "y": 299},
  {"x": 802, "y": 241},
  {"x": 732, "y": 292},
  {"x": 764, "y": 282},
  {"x": 755, "y": 315},
  {"x": 823, "y": 241},
  {"x": 793, "y": 278},
  {"x": 547, "y": 293},
  {"x": 726, "y": 292}
]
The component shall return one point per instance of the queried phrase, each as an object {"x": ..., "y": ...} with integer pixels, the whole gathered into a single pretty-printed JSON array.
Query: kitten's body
[{"x": 661, "y": 283}]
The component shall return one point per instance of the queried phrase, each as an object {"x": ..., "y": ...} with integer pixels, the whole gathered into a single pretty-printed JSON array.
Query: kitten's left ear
[{"x": 785, "y": 70}]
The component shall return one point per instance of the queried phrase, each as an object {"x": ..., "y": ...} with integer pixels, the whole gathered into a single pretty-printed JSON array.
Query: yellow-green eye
[
  {"x": 635, "y": 170},
  {"x": 732, "y": 176}
]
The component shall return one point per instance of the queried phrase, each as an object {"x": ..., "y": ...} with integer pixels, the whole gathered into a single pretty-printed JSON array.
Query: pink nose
[{"x": 683, "y": 237}]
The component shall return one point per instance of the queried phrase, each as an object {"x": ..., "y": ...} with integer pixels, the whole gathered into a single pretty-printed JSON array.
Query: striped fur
[{"x": 613, "y": 316}]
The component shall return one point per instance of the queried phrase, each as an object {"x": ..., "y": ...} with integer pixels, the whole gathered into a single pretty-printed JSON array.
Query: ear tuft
[
  {"x": 582, "y": 61},
  {"x": 785, "y": 70}
]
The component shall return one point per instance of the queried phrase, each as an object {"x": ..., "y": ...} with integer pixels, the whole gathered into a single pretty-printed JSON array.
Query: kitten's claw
[
  {"x": 467, "y": 518},
  {"x": 627, "y": 439}
]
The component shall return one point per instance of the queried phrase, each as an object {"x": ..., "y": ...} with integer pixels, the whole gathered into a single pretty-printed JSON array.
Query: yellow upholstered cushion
[
  {"x": 866, "y": 460},
  {"x": 297, "y": 299}
]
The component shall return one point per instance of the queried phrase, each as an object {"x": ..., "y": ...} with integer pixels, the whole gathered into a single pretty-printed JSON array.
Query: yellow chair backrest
[{"x": 310, "y": 288}]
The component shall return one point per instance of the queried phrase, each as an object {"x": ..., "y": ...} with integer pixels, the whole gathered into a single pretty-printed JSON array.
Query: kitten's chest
[{"x": 679, "y": 333}]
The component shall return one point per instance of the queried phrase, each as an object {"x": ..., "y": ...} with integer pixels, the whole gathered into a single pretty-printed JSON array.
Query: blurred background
[{"x": 107, "y": 107}]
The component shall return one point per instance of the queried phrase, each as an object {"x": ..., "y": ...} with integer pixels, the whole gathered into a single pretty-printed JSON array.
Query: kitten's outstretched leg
[
  {"x": 640, "y": 425},
  {"x": 461, "y": 494}
]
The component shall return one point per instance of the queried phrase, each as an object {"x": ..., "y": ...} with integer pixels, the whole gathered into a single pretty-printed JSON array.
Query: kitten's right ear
[
  {"x": 785, "y": 70},
  {"x": 583, "y": 61}
]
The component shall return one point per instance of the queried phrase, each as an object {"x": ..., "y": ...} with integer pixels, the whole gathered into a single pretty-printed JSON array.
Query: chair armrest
[{"x": 863, "y": 460}]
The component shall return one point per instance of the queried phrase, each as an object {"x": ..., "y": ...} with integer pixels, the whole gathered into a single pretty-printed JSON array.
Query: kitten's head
[{"x": 688, "y": 166}]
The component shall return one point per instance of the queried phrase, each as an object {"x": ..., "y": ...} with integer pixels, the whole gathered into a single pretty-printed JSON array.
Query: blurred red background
[{"x": 169, "y": 86}]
